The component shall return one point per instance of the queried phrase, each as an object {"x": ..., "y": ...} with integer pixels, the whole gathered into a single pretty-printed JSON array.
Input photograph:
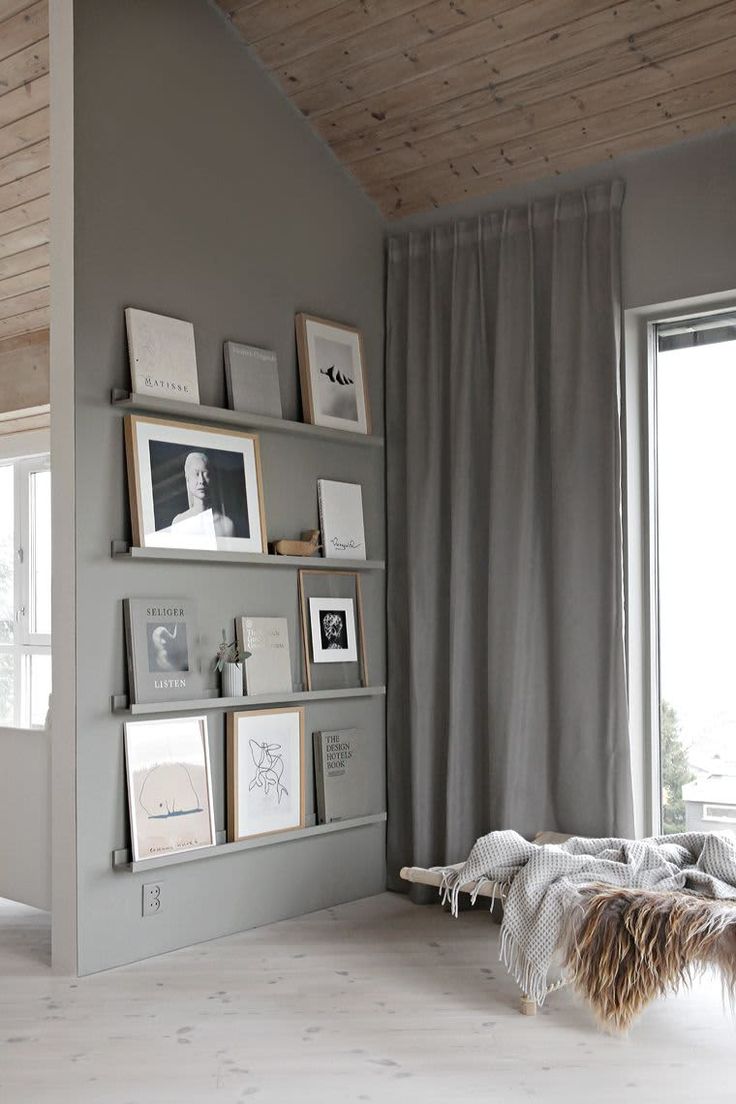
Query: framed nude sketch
[{"x": 266, "y": 772}]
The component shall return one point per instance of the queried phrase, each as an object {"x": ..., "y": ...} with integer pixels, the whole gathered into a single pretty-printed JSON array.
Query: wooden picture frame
[
  {"x": 163, "y": 511},
  {"x": 334, "y": 394},
  {"x": 262, "y": 779},
  {"x": 306, "y": 622}
]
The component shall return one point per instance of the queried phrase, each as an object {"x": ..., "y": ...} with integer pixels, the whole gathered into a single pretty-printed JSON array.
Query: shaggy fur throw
[{"x": 626, "y": 946}]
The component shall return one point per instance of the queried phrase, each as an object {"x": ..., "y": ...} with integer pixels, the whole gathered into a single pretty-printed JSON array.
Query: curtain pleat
[{"x": 507, "y": 690}]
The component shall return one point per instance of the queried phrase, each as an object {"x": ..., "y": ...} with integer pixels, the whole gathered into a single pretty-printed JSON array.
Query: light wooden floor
[{"x": 373, "y": 1001}]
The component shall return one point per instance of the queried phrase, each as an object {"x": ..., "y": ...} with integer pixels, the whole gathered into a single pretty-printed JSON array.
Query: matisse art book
[
  {"x": 163, "y": 358},
  {"x": 268, "y": 668},
  {"x": 341, "y": 519},
  {"x": 160, "y": 636},
  {"x": 348, "y": 771}
]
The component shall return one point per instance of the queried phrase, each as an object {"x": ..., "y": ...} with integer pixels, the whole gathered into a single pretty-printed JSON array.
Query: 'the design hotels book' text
[{"x": 348, "y": 770}]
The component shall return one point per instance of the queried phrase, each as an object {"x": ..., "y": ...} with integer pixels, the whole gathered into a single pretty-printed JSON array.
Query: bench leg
[{"x": 528, "y": 1006}]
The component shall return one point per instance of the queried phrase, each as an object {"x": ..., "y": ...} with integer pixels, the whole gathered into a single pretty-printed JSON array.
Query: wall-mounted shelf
[
  {"x": 216, "y": 415},
  {"x": 121, "y": 860},
  {"x": 121, "y": 549},
  {"x": 120, "y": 702}
]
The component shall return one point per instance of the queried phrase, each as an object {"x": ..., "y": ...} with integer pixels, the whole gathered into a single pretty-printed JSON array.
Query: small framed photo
[
  {"x": 266, "y": 772},
  {"x": 163, "y": 358},
  {"x": 332, "y": 373},
  {"x": 169, "y": 786},
  {"x": 160, "y": 635},
  {"x": 332, "y": 621},
  {"x": 194, "y": 486},
  {"x": 333, "y": 634}
]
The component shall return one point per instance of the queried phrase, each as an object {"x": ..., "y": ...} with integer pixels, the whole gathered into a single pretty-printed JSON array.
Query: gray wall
[
  {"x": 200, "y": 193},
  {"x": 25, "y": 816},
  {"x": 679, "y": 217}
]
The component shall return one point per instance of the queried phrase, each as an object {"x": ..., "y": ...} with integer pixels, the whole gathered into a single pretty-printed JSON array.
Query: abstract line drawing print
[
  {"x": 269, "y": 764},
  {"x": 168, "y": 791}
]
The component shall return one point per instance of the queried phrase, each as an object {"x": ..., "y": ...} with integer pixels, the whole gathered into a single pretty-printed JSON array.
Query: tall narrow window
[
  {"x": 25, "y": 591},
  {"x": 695, "y": 388}
]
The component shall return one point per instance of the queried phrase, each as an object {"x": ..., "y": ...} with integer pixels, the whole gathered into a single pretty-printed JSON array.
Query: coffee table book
[
  {"x": 268, "y": 667},
  {"x": 161, "y": 636},
  {"x": 348, "y": 771}
]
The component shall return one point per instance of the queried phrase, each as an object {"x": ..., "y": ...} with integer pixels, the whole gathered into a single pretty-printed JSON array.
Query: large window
[
  {"x": 695, "y": 389},
  {"x": 25, "y": 591}
]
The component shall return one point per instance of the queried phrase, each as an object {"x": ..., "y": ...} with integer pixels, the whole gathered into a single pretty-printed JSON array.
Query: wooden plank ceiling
[
  {"x": 428, "y": 103},
  {"x": 24, "y": 168}
]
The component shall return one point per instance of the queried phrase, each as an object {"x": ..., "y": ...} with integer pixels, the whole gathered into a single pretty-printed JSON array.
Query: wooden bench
[{"x": 493, "y": 890}]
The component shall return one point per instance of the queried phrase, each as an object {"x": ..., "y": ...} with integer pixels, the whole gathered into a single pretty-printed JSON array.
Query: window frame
[
  {"x": 714, "y": 811},
  {"x": 641, "y": 580},
  {"x": 26, "y": 644}
]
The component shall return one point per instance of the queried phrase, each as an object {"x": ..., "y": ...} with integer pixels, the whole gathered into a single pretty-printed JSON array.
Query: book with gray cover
[
  {"x": 348, "y": 772},
  {"x": 268, "y": 668},
  {"x": 341, "y": 519},
  {"x": 160, "y": 635},
  {"x": 252, "y": 379}
]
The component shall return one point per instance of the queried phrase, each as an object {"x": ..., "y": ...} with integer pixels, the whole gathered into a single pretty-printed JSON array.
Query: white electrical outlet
[{"x": 151, "y": 899}]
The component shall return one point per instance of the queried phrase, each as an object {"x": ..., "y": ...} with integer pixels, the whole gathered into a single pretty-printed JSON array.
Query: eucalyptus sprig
[{"x": 229, "y": 651}]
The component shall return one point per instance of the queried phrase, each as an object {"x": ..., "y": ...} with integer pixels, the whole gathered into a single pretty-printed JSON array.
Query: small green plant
[{"x": 229, "y": 651}]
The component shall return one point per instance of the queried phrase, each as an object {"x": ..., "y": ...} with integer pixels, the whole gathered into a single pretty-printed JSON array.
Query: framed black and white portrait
[
  {"x": 333, "y": 634},
  {"x": 194, "y": 486},
  {"x": 332, "y": 373},
  {"x": 332, "y": 622}
]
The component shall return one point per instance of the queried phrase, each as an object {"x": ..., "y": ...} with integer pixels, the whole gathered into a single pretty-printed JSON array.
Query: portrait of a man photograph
[{"x": 195, "y": 487}]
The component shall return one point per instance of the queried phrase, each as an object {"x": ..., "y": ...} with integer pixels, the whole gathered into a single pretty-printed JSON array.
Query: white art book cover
[
  {"x": 170, "y": 790},
  {"x": 341, "y": 518},
  {"x": 163, "y": 358}
]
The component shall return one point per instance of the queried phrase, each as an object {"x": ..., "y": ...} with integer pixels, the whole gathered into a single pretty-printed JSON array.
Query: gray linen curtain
[{"x": 507, "y": 685}]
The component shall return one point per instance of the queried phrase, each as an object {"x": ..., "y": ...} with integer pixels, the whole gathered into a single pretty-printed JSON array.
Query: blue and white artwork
[{"x": 169, "y": 786}]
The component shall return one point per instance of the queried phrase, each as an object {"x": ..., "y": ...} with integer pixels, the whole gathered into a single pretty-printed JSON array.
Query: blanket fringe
[
  {"x": 451, "y": 886},
  {"x": 531, "y": 980}
]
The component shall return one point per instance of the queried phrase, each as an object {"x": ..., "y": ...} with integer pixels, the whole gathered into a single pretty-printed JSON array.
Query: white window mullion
[
  {"x": 33, "y": 539},
  {"x": 29, "y": 651},
  {"x": 21, "y": 552}
]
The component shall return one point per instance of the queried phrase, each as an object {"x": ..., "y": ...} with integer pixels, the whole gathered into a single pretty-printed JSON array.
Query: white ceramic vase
[{"x": 232, "y": 680}]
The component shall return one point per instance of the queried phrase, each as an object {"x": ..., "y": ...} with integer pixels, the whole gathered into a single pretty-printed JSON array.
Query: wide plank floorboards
[{"x": 377, "y": 1000}]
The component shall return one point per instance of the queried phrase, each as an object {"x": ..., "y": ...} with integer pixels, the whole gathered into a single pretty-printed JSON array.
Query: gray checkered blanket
[{"x": 543, "y": 883}]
